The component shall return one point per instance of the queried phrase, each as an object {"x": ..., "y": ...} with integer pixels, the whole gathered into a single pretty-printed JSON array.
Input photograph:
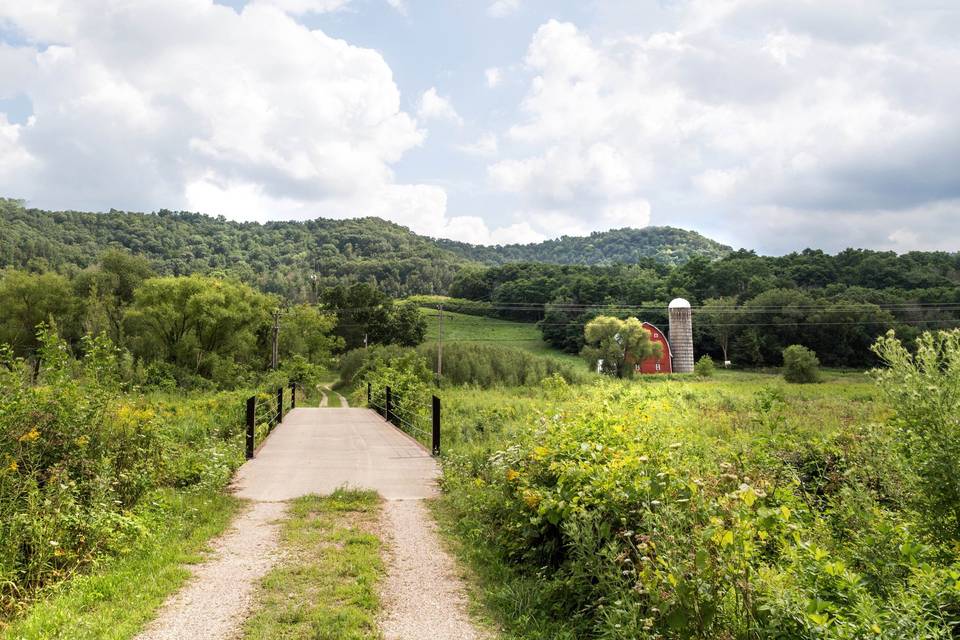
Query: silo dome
[{"x": 679, "y": 303}]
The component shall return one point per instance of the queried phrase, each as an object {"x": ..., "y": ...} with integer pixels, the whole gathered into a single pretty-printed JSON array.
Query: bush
[
  {"x": 705, "y": 367},
  {"x": 924, "y": 391},
  {"x": 800, "y": 365},
  {"x": 78, "y": 458},
  {"x": 489, "y": 365}
]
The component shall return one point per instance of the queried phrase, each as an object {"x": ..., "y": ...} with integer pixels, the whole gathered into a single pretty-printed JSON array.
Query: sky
[{"x": 768, "y": 124}]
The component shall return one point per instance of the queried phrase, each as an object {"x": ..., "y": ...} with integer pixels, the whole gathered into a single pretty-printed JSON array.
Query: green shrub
[
  {"x": 78, "y": 457},
  {"x": 705, "y": 367},
  {"x": 924, "y": 391},
  {"x": 800, "y": 365},
  {"x": 489, "y": 365}
]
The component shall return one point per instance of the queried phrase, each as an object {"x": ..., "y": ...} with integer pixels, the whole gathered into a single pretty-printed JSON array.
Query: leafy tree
[
  {"x": 800, "y": 365},
  {"x": 29, "y": 299},
  {"x": 109, "y": 286},
  {"x": 307, "y": 331},
  {"x": 719, "y": 318},
  {"x": 621, "y": 344},
  {"x": 192, "y": 321},
  {"x": 367, "y": 316}
]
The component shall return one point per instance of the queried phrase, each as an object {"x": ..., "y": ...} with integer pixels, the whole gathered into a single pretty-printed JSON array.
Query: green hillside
[
  {"x": 459, "y": 327},
  {"x": 296, "y": 258},
  {"x": 666, "y": 245}
]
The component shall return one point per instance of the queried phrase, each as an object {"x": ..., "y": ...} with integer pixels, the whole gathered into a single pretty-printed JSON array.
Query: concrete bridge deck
[{"x": 317, "y": 450}]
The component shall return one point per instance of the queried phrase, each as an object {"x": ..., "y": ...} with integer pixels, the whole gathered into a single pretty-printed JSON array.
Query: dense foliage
[
  {"x": 800, "y": 365},
  {"x": 618, "y": 345},
  {"x": 716, "y": 510},
  {"x": 366, "y": 315},
  {"x": 747, "y": 308},
  {"x": 666, "y": 245},
  {"x": 188, "y": 331},
  {"x": 464, "y": 363},
  {"x": 84, "y": 467},
  {"x": 299, "y": 259},
  {"x": 295, "y": 259}
]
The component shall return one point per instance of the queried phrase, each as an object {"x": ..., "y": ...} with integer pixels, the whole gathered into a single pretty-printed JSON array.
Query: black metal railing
[
  {"x": 264, "y": 411},
  {"x": 415, "y": 416}
]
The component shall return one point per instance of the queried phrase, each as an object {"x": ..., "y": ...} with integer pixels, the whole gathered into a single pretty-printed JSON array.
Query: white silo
[{"x": 681, "y": 335}]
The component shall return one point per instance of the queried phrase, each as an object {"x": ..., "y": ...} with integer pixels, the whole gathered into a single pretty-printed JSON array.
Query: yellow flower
[
  {"x": 13, "y": 465},
  {"x": 512, "y": 474},
  {"x": 30, "y": 436},
  {"x": 531, "y": 499}
]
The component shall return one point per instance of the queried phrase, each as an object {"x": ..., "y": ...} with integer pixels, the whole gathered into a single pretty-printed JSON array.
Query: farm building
[
  {"x": 653, "y": 364},
  {"x": 677, "y": 353}
]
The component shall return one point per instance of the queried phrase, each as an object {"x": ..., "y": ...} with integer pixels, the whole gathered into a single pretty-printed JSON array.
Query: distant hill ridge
[
  {"x": 624, "y": 246},
  {"x": 283, "y": 256}
]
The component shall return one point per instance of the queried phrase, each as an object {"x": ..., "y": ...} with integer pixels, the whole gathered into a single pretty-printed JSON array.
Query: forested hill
[
  {"x": 278, "y": 257},
  {"x": 618, "y": 246},
  {"x": 283, "y": 257}
]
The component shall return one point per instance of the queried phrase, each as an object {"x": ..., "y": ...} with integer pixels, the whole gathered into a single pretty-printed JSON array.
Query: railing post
[
  {"x": 293, "y": 395},
  {"x": 251, "y": 425},
  {"x": 436, "y": 426},
  {"x": 369, "y": 396},
  {"x": 279, "y": 405},
  {"x": 388, "y": 408}
]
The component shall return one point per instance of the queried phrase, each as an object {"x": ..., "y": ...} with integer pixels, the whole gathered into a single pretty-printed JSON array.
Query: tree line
[
  {"x": 194, "y": 330},
  {"x": 747, "y": 308}
]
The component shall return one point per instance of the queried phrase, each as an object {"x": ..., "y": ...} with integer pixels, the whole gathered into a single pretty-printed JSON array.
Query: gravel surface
[
  {"x": 422, "y": 595},
  {"x": 215, "y": 603}
]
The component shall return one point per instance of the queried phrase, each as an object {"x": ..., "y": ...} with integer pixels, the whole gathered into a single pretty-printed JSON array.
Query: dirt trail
[
  {"x": 343, "y": 401},
  {"x": 315, "y": 451},
  {"x": 216, "y": 601},
  {"x": 422, "y": 595}
]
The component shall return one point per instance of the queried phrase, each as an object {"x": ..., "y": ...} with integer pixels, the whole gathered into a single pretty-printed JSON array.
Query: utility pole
[
  {"x": 365, "y": 340},
  {"x": 439, "y": 343},
  {"x": 275, "y": 357}
]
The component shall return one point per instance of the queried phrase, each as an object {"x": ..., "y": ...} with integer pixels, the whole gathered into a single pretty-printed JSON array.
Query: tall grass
[{"x": 79, "y": 459}]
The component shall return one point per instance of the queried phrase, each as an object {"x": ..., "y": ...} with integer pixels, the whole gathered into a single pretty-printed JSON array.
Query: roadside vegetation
[
  {"x": 735, "y": 505},
  {"x": 97, "y": 480}
]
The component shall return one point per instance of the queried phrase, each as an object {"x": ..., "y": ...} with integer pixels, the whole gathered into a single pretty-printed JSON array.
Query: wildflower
[
  {"x": 13, "y": 465},
  {"x": 30, "y": 436},
  {"x": 512, "y": 474}
]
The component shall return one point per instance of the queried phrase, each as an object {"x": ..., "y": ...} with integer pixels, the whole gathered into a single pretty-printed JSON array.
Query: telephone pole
[{"x": 275, "y": 356}]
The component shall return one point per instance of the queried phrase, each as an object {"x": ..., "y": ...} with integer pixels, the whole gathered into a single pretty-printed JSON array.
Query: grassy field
[
  {"x": 737, "y": 506},
  {"x": 326, "y": 586},
  {"x": 459, "y": 327}
]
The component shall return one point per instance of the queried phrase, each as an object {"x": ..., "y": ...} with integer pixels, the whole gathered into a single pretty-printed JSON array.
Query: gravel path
[
  {"x": 422, "y": 594},
  {"x": 323, "y": 397},
  {"x": 215, "y": 603},
  {"x": 343, "y": 401}
]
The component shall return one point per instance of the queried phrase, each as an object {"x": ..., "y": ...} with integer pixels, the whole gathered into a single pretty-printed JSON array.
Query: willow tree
[{"x": 619, "y": 344}]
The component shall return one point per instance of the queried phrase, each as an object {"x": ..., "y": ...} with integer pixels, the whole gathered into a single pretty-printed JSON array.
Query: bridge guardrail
[{"x": 409, "y": 414}]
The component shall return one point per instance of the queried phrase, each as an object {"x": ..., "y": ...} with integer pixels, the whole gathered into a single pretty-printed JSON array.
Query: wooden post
[
  {"x": 293, "y": 395},
  {"x": 436, "y": 426},
  {"x": 388, "y": 408},
  {"x": 369, "y": 392},
  {"x": 251, "y": 425}
]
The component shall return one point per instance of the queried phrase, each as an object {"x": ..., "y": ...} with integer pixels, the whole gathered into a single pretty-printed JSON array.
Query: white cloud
[
  {"x": 745, "y": 106},
  {"x": 398, "y": 5},
  {"x": 501, "y": 8},
  {"x": 433, "y": 106},
  {"x": 493, "y": 76},
  {"x": 300, "y": 7},
  {"x": 487, "y": 145},
  {"x": 277, "y": 121}
]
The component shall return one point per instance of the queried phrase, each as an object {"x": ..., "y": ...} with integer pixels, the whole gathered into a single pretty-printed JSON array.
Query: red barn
[{"x": 663, "y": 364}]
